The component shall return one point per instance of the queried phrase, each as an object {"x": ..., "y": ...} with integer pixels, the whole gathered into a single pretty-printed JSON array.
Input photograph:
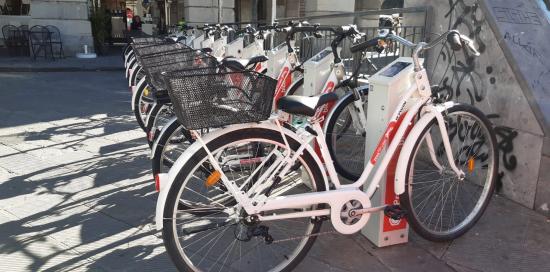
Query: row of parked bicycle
[{"x": 249, "y": 146}]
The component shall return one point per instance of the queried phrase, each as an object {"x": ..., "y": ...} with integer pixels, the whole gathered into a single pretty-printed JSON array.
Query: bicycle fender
[
  {"x": 164, "y": 128},
  {"x": 130, "y": 64},
  {"x": 333, "y": 109},
  {"x": 150, "y": 119},
  {"x": 133, "y": 76},
  {"x": 135, "y": 89},
  {"x": 408, "y": 145},
  {"x": 166, "y": 180},
  {"x": 133, "y": 72},
  {"x": 127, "y": 56}
]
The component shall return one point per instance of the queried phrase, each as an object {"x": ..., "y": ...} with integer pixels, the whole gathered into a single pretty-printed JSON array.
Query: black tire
[
  {"x": 152, "y": 118},
  {"x": 125, "y": 50},
  {"x": 349, "y": 166},
  {"x": 168, "y": 233},
  {"x": 136, "y": 76},
  {"x": 407, "y": 201},
  {"x": 137, "y": 107},
  {"x": 161, "y": 142},
  {"x": 130, "y": 64}
]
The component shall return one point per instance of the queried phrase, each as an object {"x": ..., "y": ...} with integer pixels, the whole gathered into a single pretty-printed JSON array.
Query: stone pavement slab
[{"x": 76, "y": 194}]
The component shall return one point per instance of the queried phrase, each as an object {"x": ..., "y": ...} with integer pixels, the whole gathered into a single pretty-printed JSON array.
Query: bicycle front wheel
[
  {"x": 170, "y": 144},
  {"x": 345, "y": 137},
  {"x": 440, "y": 205},
  {"x": 205, "y": 229}
]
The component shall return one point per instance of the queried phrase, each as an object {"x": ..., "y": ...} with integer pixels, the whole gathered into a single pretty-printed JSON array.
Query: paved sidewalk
[
  {"x": 76, "y": 194},
  {"x": 68, "y": 64}
]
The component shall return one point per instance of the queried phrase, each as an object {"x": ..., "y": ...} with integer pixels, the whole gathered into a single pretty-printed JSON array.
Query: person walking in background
[
  {"x": 181, "y": 23},
  {"x": 136, "y": 23}
]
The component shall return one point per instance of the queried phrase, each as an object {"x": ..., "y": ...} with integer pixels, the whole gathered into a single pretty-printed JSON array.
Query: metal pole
[
  {"x": 167, "y": 13},
  {"x": 273, "y": 15},
  {"x": 220, "y": 11}
]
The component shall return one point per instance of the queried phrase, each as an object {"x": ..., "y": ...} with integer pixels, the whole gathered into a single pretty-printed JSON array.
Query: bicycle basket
[
  {"x": 149, "y": 41},
  {"x": 151, "y": 51},
  {"x": 220, "y": 99},
  {"x": 176, "y": 62}
]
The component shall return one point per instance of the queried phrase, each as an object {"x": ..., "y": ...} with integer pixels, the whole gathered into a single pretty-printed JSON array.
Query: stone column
[
  {"x": 206, "y": 11},
  {"x": 70, "y": 16},
  {"x": 324, "y": 7},
  {"x": 363, "y": 5},
  {"x": 292, "y": 8}
]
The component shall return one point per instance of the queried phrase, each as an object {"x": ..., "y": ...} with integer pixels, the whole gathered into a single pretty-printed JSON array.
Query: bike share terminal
[{"x": 386, "y": 89}]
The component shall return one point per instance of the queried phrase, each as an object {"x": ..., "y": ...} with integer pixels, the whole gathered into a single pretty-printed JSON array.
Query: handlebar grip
[
  {"x": 454, "y": 41},
  {"x": 364, "y": 45}
]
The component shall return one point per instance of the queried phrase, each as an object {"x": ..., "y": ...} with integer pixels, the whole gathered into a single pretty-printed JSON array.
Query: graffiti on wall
[{"x": 463, "y": 79}]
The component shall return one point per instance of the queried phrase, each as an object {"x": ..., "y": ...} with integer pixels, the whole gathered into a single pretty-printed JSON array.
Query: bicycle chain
[{"x": 304, "y": 236}]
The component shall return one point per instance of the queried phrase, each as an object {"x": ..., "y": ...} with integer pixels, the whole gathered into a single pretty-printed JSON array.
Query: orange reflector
[
  {"x": 471, "y": 164},
  {"x": 213, "y": 178}
]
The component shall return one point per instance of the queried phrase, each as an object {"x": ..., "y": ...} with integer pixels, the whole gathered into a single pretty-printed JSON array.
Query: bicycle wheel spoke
[
  {"x": 216, "y": 234},
  {"x": 442, "y": 202}
]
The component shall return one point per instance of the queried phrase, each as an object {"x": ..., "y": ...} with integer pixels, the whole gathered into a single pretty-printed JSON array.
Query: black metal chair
[
  {"x": 40, "y": 38},
  {"x": 10, "y": 41},
  {"x": 24, "y": 39},
  {"x": 55, "y": 38}
]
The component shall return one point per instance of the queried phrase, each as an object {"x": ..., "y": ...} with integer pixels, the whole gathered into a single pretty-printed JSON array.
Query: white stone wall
[
  {"x": 70, "y": 16},
  {"x": 489, "y": 83},
  {"x": 324, "y": 7},
  {"x": 206, "y": 11}
]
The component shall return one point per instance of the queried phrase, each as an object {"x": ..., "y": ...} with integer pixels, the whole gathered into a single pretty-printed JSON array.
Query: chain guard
[{"x": 337, "y": 206}]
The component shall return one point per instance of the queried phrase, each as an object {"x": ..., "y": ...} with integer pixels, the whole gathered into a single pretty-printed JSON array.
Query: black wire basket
[
  {"x": 169, "y": 62},
  {"x": 216, "y": 99},
  {"x": 153, "y": 50},
  {"x": 149, "y": 40}
]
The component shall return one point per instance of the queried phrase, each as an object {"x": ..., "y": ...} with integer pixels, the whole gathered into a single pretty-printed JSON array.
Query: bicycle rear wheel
[
  {"x": 212, "y": 232},
  {"x": 441, "y": 206}
]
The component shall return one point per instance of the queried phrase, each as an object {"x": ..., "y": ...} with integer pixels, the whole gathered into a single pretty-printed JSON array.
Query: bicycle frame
[{"x": 255, "y": 203}]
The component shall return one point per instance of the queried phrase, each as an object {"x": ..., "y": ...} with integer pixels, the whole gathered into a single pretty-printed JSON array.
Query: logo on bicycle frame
[
  {"x": 282, "y": 83},
  {"x": 382, "y": 143},
  {"x": 323, "y": 110}
]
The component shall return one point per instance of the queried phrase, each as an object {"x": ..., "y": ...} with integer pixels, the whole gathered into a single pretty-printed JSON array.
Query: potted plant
[{"x": 99, "y": 20}]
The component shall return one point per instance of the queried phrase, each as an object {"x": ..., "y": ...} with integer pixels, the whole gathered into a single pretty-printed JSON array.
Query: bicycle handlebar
[
  {"x": 341, "y": 33},
  {"x": 453, "y": 37}
]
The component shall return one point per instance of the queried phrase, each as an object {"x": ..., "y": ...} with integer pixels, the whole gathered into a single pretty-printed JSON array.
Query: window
[{"x": 15, "y": 7}]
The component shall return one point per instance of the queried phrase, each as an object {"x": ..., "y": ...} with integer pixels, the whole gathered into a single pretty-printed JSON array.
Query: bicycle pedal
[{"x": 394, "y": 212}]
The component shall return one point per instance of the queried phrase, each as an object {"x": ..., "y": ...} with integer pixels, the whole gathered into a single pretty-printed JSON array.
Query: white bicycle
[{"x": 265, "y": 213}]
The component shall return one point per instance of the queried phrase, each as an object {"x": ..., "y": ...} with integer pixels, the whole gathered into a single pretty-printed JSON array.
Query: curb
[{"x": 58, "y": 69}]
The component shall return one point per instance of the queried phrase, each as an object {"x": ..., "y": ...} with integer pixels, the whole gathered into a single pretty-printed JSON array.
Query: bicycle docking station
[
  {"x": 197, "y": 42},
  {"x": 386, "y": 89},
  {"x": 235, "y": 48},
  {"x": 276, "y": 59},
  {"x": 317, "y": 71}
]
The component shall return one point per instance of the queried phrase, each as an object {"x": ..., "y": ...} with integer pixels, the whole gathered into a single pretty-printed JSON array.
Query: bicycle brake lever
[{"x": 470, "y": 44}]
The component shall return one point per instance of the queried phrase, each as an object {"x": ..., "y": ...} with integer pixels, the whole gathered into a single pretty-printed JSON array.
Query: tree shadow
[{"x": 83, "y": 195}]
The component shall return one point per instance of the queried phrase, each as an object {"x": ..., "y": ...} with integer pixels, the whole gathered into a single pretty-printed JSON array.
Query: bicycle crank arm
[{"x": 357, "y": 212}]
